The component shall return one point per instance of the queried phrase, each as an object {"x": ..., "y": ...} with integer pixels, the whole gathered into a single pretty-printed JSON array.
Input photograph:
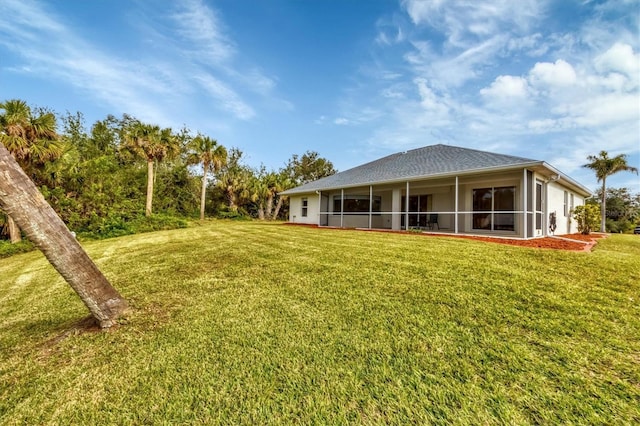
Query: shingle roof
[{"x": 424, "y": 162}]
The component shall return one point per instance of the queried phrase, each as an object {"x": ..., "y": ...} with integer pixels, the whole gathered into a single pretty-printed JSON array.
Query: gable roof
[{"x": 426, "y": 162}]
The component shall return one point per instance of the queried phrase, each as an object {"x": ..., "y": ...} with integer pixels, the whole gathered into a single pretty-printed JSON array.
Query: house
[{"x": 447, "y": 189}]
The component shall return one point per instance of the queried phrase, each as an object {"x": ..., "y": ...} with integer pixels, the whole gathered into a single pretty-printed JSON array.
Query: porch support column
[
  {"x": 525, "y": 217},
  {"x": 396, "y": 209},
  {"x": 342, "y": 208},
  {"x": 319, "y": 208},
  {"x": 406, "y": 209},
  {"x": 370, "y": 204},
  {"x": 455, "y": 216}
]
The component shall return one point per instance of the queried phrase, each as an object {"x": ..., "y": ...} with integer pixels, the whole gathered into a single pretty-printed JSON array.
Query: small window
[
  {"x": 566, "y": 204},
  {"x": 571, "y": 206},
  {"x": 305, "y": 207}
]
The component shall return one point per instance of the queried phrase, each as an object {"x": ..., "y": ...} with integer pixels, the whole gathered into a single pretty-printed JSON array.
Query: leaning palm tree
[
  {"x": 212, "y": 156},
  {"x": 604, "y": 167},
  {"x": 154, "y": 145},
  {"x": 31, "y": 139},
  {"x": 20, "y": 198}
]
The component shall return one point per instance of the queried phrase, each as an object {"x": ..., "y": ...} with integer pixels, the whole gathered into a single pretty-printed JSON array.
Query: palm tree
[
  {"x": 154, "y": 145},
  {"x": 20, "y": 198},
  {"x": 234, "y": 180},
  {"x": 212, "y": 156},
  {"x": 282, "y": 184},
  {"x": 605, "y": 167},
  {"x": 31, "y": 139},
  {"x": 259, "y": 192}
]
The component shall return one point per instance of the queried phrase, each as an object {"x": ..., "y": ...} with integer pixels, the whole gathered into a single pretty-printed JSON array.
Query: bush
[
  {"x": 239, "y": 214},
  {"x": 622, "y": 226},
  {"x": 119, "y": 226},
  {"x": 588, "y": 218},
  {"x": 7, "y": 249}
]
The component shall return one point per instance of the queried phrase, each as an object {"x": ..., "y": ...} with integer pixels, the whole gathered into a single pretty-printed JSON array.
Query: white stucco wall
[
  {"x": 556, "y": 203},
  {"x": 442, "y": 201},
  {"x": 295, "y": 209}
]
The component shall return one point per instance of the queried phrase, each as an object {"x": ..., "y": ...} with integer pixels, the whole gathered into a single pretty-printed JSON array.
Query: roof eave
[
  {"x": 420, "y": 177},
  {"x": 581, "y": 188}
]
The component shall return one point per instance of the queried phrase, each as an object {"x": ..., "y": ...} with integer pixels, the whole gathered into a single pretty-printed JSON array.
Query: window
[
  {"x": 305, "y": 207},
  {"x": 356, "y": 204},
  {"x": 495, "y": 208},
  {"x": 539, "y": 205},
  {"x": 419, "y": 205},
  {"x": 566, "y": 204},
  {"x": 571, "y": 206}
]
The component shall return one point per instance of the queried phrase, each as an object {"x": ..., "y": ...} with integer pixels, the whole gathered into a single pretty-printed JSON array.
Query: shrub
[
  {"x": 118, "y": 226},
  {"x": 7, "y": 249},
  {"x": 622, "y": 226},
  {"x": 588, "y": 218}
]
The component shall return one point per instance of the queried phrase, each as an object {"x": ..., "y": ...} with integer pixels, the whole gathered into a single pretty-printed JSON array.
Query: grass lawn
[{"x": 253, "y": 323}]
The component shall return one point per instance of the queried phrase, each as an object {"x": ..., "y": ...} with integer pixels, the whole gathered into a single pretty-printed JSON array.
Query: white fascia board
[{"x": 421, "y": 178}]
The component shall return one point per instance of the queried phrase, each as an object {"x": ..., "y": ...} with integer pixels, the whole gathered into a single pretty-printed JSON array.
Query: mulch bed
[
  {"x": 546, "y": 242},
  {"x": 559, "y": 243}
]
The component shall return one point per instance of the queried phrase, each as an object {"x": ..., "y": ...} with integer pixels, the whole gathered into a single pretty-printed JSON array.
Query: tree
[
  {"x": 20, "y": 198},
  {"x": 152, "y": 144},
  {"x": 604, "y": 167},
  {"x": 212, "y": 156},
  {"x": 307, "y": 168},
  {"x": 282, "y": 182},
  {"x": 32, "y": 140},
  {"x": 623, "y": 208},
  {"x": 235, "y": 180}
]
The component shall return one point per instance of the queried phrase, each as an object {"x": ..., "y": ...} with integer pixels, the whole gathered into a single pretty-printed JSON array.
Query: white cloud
[
  {"x": 457, "y": 69},
  {"x": 200, "y": 25},
  {"x": 341, "y": 121},
  {"x": 392, "y": 93},
  {"x": 507, "y": 87},
  {"x": 194, "y": 53},
  {"x": 436, "y": 107},
  {"x": 560, "y": 73},
  {"x": 620, "y": 57},
  {"x": 466, "y": 21},
  {"x": 229, "y": 99},
  {"x": 606, "y": 109}
]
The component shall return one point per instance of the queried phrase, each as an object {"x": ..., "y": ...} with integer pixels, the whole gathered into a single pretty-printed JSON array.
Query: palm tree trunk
[
  {"x": 203, "y": 193},
  {"x": 269, "y": 207},
  {"x": 231, "y": 197},
  {"x": 281, "y": 199},
  {"x": 148, "y": 209},
  {"x": 603, "y": 213},
  {"x": 20, "y": 199},
  {"x": 14, "y": 231}
]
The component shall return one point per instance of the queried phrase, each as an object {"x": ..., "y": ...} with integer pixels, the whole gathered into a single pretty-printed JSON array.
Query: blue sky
[{"x": 354, "y": 80}]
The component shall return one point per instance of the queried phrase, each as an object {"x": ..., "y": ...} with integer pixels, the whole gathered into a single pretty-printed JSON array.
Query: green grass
[{"x": 252, "y": 323}]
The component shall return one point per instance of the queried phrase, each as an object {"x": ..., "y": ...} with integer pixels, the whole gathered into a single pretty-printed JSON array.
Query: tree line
[
  {"x": 109, "y": 179},
  {"x": 123, "y": 174}
]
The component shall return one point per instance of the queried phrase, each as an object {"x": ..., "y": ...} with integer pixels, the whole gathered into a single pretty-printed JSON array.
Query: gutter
[{"x": 418, "y": 178}]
